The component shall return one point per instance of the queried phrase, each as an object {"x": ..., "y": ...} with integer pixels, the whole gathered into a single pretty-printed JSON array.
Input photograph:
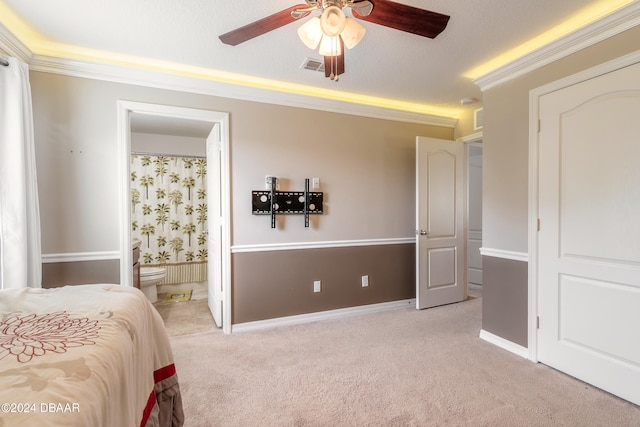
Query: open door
[
  {"x": 440, "y": 216},
  {"x": 214, "y": 263},
  {"x": 219, "y": 212}
]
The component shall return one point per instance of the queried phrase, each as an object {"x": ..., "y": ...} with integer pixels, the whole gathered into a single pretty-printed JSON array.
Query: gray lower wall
[
  {"x": 505, "y": 299},
  {"x": 505, "y": 155},
  {"x": 59, "y": 274},
  {"x": 267, "y": 285},
  {"x": 275, "y": 284}
]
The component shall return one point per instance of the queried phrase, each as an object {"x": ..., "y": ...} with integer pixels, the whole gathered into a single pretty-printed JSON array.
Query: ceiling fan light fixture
[
  {"x": 310, "y": 33},
  {"x": 330, "y": 46},
  {"x": 332, "y": 21},
  {"x": 353, "y": 33}
]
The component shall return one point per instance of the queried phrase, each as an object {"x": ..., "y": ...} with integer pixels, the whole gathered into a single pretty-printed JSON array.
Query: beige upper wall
[
  {"x": 506, "y": 141},
  {"x": 366, "y": 166},
  {"x": 466, "y": 121},
  {"x": 366, "y": 169},
  {"x": 168, "y": 144}
]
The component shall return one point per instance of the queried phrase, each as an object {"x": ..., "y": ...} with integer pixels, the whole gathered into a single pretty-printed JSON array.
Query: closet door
[{"x": 589, "y": 238}]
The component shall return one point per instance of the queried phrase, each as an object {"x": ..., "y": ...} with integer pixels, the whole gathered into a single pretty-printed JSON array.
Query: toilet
[{"x": 149, "y": 279}]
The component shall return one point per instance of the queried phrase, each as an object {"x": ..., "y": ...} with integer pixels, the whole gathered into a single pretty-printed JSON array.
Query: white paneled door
[
  {"x": 589, "y": 238},
  {"x": 215, "y": 264},
  {"x": 440, "y": 208}
]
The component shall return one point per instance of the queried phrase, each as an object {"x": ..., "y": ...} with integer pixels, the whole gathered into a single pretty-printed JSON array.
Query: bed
[{"x": 87, "y": 355}]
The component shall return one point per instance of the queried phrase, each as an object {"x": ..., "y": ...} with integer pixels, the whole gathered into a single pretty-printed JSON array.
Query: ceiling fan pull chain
[
  {"x": 334, "y": 60},
  {"x": 331, "y": 74},
  {"x": 335, "y": 67}
]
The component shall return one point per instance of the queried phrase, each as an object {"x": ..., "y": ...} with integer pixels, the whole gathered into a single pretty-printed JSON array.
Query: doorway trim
[
  {"x": 124, "y": 111},
  {"x": 470, "y": 141},
  {"x": 534, "y": 126}
]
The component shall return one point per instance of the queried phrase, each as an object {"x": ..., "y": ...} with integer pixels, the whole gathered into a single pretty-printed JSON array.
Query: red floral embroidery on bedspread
[{"x": 26, "y": 337}]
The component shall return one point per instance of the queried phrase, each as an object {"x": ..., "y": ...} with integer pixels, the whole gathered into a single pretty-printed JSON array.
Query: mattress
[{"x": 87, "y": 355}]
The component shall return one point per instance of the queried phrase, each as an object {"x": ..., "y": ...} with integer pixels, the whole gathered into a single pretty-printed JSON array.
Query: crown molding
[
  {"x": 615, "y": 23},
  {"x": 204, "y": 86},
  {"x": 165, "y": 80},
  {"x": 12, "y": 46}
]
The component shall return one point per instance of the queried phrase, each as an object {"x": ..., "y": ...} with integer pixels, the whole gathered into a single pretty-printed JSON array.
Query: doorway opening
[
  {"x": 474, "y": 217},
  {"x": 196, "y": 142},
  {"x": 448, "y": 220}
]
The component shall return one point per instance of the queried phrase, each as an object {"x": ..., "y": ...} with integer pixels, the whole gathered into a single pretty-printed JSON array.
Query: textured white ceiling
[{"x": 388, "y": 63}]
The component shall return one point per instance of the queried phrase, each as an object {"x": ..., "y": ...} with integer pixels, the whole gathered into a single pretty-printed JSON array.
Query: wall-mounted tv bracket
[{"x": 272, "y": 202}]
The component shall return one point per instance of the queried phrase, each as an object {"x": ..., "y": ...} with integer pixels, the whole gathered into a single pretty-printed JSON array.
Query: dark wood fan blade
[
  {"x": 406, "y": 18},
  {"x": 260, "y": 27},
  {"x": 334, "y": 64}
]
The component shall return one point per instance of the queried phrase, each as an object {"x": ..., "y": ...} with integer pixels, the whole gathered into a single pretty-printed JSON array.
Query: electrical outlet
[
  {"x": 365, "y": 281},
  {"x": 317, "y": 285}
]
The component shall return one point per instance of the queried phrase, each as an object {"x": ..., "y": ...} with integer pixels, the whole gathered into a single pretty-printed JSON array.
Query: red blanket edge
[{"x": 158, "y": 375}]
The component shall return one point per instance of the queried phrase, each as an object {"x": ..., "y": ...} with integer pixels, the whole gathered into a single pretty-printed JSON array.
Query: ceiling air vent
[{"x": 313, "y": 65}]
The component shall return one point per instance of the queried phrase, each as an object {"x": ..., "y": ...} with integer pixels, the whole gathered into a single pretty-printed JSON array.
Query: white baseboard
[
  {"x": 322, "y": 315},
  {"x": 504, "y": 344}
]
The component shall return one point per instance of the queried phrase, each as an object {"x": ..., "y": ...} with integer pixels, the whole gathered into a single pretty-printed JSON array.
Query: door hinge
[
  {"x": 539, "y": 125},
  {"x": 537, "y": 322},
  {"x": 538, "y": 224}
]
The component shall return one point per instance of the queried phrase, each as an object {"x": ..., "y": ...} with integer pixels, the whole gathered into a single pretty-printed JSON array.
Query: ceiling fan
[{"x": 332, "y": 30}]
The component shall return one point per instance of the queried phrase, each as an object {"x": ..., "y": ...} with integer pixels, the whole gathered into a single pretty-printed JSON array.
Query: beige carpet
[
  {"x": 185, "y": 317},
  {"x": 397, "y": 368}
]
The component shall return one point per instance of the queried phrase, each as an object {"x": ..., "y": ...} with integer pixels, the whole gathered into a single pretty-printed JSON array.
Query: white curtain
[{"x": 20, "y": 251}]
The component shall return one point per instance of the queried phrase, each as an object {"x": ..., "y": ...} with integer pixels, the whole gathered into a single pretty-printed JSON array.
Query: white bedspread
[{"x": 89, "y": 355}]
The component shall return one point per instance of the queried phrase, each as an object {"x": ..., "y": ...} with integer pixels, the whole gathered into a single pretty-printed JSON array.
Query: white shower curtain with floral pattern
[{"x": 20, "y": 248}]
